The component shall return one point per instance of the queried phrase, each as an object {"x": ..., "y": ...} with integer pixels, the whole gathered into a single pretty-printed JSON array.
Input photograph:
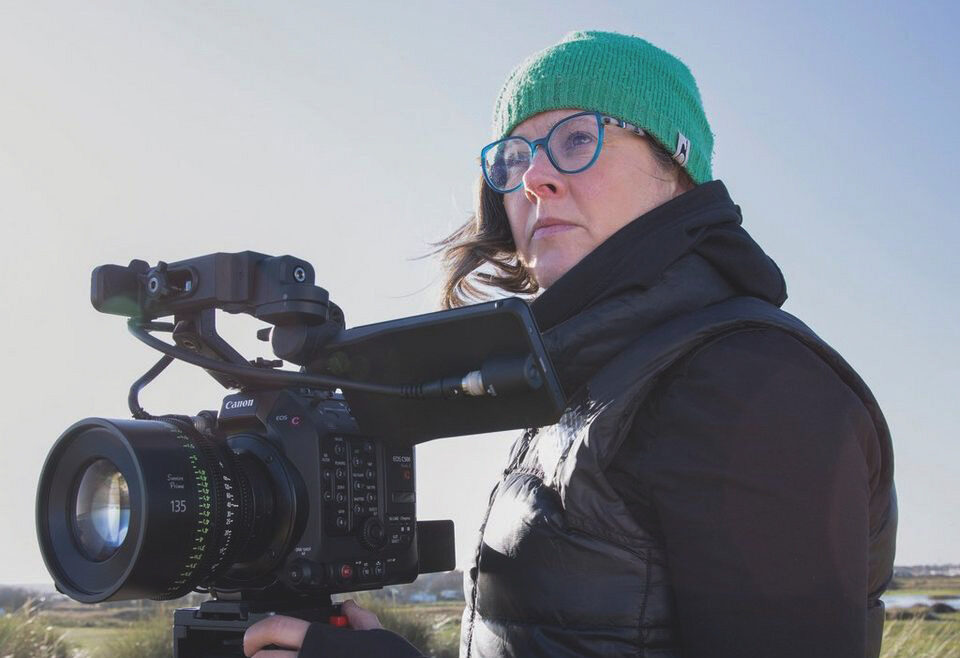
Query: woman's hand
[
  {"x": 361, "y": 619},
  {"x": 288, "y": 632},
  {"x": 285, "y": 632}
]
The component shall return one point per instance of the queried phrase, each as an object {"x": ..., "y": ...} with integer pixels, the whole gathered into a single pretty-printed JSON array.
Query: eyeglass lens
[{"x": 572, "y": 145}]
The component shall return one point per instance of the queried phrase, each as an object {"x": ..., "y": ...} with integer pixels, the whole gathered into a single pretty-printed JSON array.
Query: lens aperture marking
[{"x": 230, "y": 506}]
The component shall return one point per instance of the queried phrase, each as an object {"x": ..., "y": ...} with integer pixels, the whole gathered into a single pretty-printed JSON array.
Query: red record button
[{"x": 346, "y": 572}]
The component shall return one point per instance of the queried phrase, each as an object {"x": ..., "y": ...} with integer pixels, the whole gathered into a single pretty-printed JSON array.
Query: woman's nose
[{"x": 541, "y": 178}]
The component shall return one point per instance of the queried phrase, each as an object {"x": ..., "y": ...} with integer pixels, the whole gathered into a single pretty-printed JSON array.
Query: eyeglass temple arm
[{"x": 623, "y": 124}]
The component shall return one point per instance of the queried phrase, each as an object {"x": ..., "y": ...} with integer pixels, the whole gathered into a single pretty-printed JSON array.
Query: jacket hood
[{"x": 704, "y": 221}]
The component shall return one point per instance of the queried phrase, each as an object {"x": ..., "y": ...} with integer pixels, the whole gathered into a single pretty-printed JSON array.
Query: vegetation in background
[
  {"x": 945, "y": 585},
  {"x": 434, "y": 629},
  {"x": 919, "y": 638},
  {"x": 14, "y": 598},
  {"x": 24, "y": 635},
  {"x": 58, "y": 628},
  {"x": 150, "y": 638}
]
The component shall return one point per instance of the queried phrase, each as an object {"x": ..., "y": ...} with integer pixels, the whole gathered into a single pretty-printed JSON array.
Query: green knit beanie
[{"x": 623, "y": 76}]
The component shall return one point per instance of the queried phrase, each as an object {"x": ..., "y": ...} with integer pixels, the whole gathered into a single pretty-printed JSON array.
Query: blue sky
[{"x": 348, "y": 136}]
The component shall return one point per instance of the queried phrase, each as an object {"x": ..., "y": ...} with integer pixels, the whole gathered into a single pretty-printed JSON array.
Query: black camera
[{"x": 302, "y": 484}]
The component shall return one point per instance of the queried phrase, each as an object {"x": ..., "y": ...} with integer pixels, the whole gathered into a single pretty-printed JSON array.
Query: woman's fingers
[
  {"x": 361, "y": 619},
  {"x": 285, "y": 632},
  {"x": 288, "y": 632}
]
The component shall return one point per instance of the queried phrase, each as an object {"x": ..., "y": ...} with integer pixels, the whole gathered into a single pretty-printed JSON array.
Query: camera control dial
[{"x": 372, "y": 535}]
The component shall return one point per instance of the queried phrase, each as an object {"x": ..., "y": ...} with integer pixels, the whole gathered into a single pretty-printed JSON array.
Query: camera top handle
[
  {"x": 276, "y": 289},
  {"x": 280, "y": 290}
]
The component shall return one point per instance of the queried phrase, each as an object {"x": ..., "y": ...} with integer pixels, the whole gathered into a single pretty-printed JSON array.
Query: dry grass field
[{"x": 69, "y": 630}]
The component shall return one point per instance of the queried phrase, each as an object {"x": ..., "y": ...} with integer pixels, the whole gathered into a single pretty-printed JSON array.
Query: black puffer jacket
[{"x": 721, "y": 484}]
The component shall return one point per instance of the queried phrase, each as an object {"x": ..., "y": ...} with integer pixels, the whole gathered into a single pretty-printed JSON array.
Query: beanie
[{"x": 623, "y": 76}]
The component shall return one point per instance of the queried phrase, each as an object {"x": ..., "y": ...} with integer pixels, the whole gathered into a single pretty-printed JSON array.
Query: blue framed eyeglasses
[{"x": 572, "y": 146}]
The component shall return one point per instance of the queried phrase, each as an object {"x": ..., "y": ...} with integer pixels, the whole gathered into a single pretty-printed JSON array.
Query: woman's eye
[{"x": 577, "y": 140}]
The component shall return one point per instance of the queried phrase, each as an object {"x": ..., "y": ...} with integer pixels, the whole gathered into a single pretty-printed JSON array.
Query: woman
[{"x": 721, "y": 481}]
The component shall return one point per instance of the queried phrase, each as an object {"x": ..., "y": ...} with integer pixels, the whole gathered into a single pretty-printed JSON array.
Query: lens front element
[{"x": 102, "y": 510}]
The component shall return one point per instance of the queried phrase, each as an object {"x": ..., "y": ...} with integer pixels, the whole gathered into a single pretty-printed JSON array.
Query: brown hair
[{"x": 481, "y": 253}]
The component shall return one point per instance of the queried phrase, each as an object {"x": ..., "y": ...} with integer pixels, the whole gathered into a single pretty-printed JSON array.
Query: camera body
[
  {"x": 359, "y": 528},
  {"x": 278, "y": 496}
]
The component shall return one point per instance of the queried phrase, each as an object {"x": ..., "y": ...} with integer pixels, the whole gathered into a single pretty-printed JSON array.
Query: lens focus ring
[{"x": 211, "y": 540}]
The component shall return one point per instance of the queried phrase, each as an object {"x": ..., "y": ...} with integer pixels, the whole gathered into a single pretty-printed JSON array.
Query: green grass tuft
[
  {"x": 150, "y": 638},
  {"x": 24, "y": 635},
  {"x": 919, "y": 638},
  {"x": 437, "y": 636}
]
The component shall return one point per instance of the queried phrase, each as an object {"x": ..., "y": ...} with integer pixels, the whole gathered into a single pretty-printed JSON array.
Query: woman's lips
[{"x": 544, "y": 228}]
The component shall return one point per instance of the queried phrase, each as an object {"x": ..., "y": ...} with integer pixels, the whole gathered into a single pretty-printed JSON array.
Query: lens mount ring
[
  {"x": 244, "y": 509},
  {"x": 288, "y": 506}
]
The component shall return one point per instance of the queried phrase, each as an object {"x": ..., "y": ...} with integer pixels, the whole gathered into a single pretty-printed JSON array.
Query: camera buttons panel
[
  {"x": 335, "y": 485},
  {"x": 349, "y": 489}
]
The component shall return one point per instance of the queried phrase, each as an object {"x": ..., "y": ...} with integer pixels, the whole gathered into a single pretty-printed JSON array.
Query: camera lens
[
  {"x": 102, "y": 507},
  {"x": 132, "y": 509}
]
